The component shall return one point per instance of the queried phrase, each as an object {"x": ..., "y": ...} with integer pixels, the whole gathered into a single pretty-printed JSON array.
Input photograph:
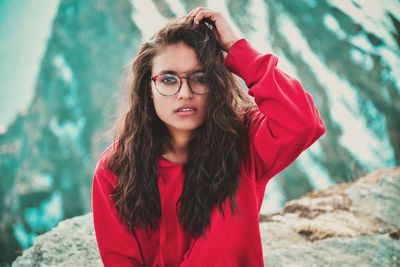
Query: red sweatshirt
[{"x": 285, "y": 124}]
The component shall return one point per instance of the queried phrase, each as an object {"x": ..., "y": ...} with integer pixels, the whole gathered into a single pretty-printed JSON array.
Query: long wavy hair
[{"x": 215, "y": 149}]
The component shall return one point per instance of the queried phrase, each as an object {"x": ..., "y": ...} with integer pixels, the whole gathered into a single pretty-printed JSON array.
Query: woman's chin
[{"x": 186, "y": 127}]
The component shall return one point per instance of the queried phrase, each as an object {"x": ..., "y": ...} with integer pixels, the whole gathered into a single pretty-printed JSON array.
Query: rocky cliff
[{"x": 350, "y": 224}]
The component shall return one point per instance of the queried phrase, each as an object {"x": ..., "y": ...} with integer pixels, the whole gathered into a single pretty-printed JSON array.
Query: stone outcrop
[
  {"x": 71, "y": 244},
  {"x": 351, "y": 224}
]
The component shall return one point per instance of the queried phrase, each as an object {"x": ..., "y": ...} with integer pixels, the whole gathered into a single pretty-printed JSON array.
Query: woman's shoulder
[
  {"x": 102, "y": 169},
  {"x": 106, "y": 154}
]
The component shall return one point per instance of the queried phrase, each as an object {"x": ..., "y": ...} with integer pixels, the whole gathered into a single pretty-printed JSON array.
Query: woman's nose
[{"x": 185, "y": 91}]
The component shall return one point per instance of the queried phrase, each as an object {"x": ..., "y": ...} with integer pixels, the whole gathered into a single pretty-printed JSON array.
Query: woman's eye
[
  {"x": 199, "y": 79},
  {"x": 169, "y": 80}
]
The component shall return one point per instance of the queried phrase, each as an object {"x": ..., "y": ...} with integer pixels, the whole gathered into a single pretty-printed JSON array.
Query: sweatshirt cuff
[{"x": 240, "y": 59}]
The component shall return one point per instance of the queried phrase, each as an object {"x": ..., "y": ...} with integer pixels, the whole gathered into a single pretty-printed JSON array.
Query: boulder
[
  {"x": 71, "y": 244},
  {"x": 349, "y": 224}
]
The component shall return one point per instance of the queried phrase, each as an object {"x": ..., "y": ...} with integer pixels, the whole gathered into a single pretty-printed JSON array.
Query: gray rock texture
[
  {"x": 71, "y": 244},
  {"x": 350, "y": 224}
]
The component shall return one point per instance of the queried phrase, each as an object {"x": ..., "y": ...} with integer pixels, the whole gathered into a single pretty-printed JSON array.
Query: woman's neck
[{"x": 178, "y": 152}]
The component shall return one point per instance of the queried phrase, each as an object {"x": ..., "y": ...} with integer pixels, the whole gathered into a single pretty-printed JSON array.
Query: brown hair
[{"x": 213, "y": 166}]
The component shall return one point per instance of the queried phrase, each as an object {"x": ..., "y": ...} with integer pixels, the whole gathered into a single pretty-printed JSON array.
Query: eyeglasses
[{"x": 169, "y": 84}]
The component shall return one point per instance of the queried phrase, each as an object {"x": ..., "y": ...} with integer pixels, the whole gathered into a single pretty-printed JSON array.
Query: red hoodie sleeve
[
  {"x": 286, "y": 122},
  {"x": 117, "y": 247}
]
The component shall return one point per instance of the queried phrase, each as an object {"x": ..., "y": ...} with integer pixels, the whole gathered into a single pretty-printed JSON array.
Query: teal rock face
[
  {"x": 47, "y": 156},
  {"x": 345, "y": 55}
]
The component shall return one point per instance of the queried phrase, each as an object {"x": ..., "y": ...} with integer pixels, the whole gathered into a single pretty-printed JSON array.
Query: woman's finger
[
  {"x": 189, "y": 15},
  {"x": 213, "y": 16},
  {"x": 192, "y": 14}
]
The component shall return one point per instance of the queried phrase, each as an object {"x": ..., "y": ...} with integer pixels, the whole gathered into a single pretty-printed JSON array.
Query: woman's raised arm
[{"x": 287, "y": 121}]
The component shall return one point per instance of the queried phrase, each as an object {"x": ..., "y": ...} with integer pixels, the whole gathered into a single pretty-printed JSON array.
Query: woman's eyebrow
[
  {"x": 176, "y": 73},
  {"x": 167, "y": 72}
]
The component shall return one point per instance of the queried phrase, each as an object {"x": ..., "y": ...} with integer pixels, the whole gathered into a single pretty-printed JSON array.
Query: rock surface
[
  {"x": 352, "y": 224},
  {"x": 72, "y": 243}
]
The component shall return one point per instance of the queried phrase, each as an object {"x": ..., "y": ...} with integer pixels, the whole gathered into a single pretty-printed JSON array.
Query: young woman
[{"x": 184, "y": 181}]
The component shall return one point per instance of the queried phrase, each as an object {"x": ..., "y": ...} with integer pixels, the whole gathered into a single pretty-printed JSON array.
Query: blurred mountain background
[{"x": 61, "y": 70}]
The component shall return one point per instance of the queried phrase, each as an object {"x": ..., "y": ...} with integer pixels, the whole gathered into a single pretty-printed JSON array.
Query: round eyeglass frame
[{"x": 153, "y": 78}]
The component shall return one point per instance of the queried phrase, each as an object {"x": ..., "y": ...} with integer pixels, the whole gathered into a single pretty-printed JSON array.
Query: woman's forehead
[{"x": 179, "y": 58}]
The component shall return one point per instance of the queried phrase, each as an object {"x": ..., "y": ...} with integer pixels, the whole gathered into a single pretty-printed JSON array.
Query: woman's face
[{"x": 185, "y": 110}]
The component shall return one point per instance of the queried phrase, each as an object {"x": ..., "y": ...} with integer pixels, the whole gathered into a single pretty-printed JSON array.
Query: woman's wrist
[{"x": 230, "y": 43}]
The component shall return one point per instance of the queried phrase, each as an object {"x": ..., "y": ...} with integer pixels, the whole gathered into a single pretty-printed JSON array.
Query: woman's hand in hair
[{"x": 226, "y": 35}]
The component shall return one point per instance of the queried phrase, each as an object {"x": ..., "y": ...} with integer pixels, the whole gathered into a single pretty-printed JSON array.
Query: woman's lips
[{"x": 186, "y": 110}]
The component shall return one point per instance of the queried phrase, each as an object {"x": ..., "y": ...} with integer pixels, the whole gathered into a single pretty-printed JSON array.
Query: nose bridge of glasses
[{"x": 185, "y": 84}]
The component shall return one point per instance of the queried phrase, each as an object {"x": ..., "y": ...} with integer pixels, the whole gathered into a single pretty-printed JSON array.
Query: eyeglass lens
[{"x": 169, "y": 84}]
